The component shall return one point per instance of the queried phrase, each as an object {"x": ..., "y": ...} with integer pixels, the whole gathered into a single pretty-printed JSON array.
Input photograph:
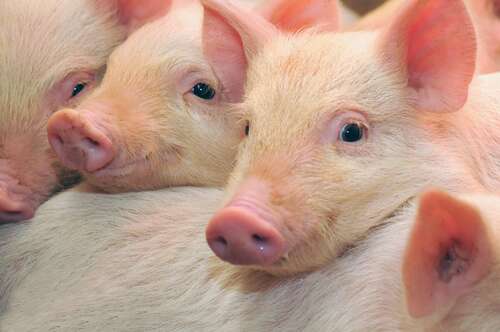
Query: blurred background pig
[
  {"x": 138, "y": 262},
  {"x": 343, "y": 129},
  {"x": 52, "y": 53},
  {"x": 485, "y": 15}
]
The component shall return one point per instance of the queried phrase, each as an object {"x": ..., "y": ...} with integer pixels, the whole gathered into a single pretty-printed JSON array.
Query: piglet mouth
[{"x": 120, "y": 168}]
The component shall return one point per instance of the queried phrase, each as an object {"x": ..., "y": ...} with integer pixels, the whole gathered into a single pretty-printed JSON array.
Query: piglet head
[
  {"x": 335, "y": 141},
  {"x": 53, "y": 54},
  {"x": 163, "y": 116}
]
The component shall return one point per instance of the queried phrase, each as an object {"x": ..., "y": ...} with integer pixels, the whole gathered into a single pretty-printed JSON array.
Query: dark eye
[
  {"x": 247, "y": 128},
  {"x": 351, "y": 132},
  {"x": 78, "y": 89},
  {"x": 203, "y": 91}
]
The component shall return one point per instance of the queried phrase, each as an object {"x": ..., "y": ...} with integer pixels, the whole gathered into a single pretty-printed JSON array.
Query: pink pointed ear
[
  {"x": 135, "y": 13},
  {"x": 448, "y": 252},
  {"x": 295, "y": 15},
  {"x": 231, "y": 36},
  {"x": 433, "y": 43}
]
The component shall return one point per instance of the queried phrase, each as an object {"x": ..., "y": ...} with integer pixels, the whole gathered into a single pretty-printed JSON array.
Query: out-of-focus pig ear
[
  {"x": 135, "y": 13},
  {"x": 296, "y": 15},
  {"x": 232, "y": 35},
  {"x": 448, "y": 252},
  {"x": 433, "y": 43}
]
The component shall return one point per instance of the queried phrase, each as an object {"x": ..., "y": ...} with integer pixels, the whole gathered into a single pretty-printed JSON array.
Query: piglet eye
[
  {"x": 77, "y": 89},
  {"x": 203, "y": 91},
  {"x": 352, "y": 132}
]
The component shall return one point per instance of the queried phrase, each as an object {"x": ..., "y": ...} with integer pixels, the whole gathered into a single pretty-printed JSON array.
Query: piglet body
[{"x": 138, "y": 261}]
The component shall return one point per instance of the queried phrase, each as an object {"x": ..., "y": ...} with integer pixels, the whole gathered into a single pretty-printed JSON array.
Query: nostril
[
  {"x": 259, "y": 239},
  {"x": 59, "y": 139},
  {"x": 92, "y": 142},
  {"x": 221, "y": 241}
]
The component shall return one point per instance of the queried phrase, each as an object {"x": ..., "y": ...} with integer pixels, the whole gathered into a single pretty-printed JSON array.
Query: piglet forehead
[{"x": 296, "y": 83}]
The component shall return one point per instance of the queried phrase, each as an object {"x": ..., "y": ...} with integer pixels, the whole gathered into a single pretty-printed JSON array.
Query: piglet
[
  {"x": 52, "y": 53},
  {"x": 164, "y": 115},
  {"x": 343, "y": 129},
  {"x": 138, "y": 262}
]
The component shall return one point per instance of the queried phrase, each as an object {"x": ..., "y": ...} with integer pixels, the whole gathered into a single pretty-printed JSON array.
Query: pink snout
[
  {"x": 239, "y": 236},
  {"x": 78, "y": 143},
  {"x": 13, "y": 210}
]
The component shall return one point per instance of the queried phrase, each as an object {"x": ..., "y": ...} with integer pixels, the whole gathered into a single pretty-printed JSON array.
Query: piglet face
[
  {"x": 326, "y": 156},
  {"x": 342, "y": 129},
  {"x": 38, "y": 77},
  {"x": 160, "y": 118}
]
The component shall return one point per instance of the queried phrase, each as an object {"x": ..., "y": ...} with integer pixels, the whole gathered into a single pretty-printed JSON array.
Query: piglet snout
[
  {"x": 239, "y": 236},
  {"x": 78, "y": 143},
  {"x": 12, "y": 209}
]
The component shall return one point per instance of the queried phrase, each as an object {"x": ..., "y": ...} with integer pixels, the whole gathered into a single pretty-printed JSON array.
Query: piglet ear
[
  {"x": 231, "y": 36},
  {"x": 448, "y": 252},
  {"x": 135, "y": 13},
  {"x": 296, "y": 15},
  {"x": 433, "y": 43}
]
